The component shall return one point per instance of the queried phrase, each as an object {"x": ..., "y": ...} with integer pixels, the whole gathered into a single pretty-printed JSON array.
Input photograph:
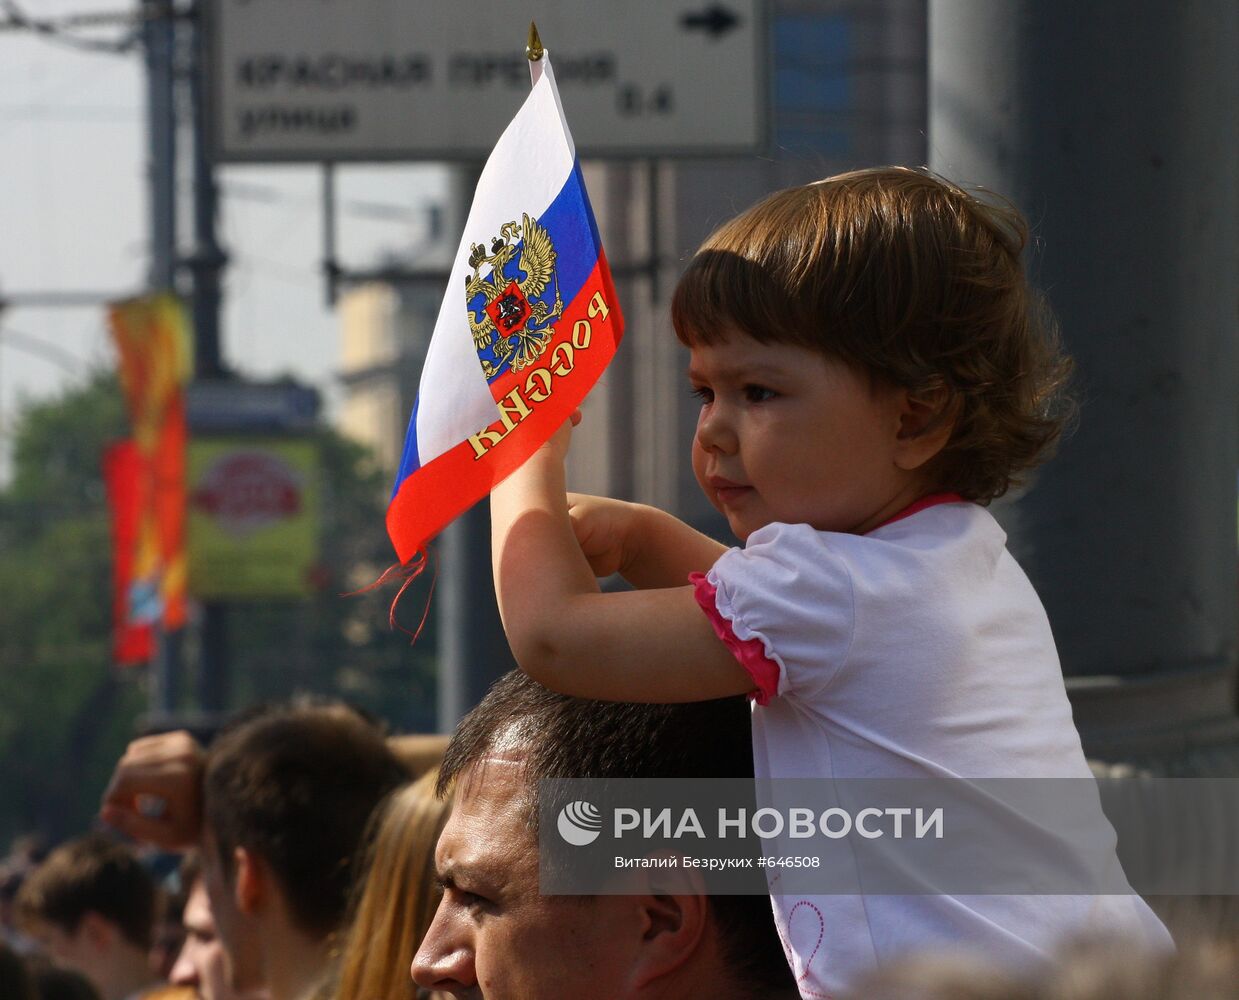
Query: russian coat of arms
[{"x": 509, "y": 322}]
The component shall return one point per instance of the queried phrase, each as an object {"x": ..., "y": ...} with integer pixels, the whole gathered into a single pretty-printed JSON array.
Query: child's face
[{"x": 786, "y": 434}]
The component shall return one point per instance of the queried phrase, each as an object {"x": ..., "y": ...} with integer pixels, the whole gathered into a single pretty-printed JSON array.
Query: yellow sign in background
[{"x": 254, "y": 517}]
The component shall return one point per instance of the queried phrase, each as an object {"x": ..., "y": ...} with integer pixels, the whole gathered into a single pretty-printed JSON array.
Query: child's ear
[{"x": 926, "y": 419}]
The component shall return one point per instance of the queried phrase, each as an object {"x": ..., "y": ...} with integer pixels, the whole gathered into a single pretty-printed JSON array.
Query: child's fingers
[{"x": 575, "y": 417}]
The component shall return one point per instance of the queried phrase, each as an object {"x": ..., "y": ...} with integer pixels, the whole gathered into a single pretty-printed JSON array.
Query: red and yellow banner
[
  {"x": 133, "y": 640},
  {"x": 153, "y": 340}
]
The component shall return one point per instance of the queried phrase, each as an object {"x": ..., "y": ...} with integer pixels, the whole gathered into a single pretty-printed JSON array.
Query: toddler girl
[{"x": 873, "y": 370}]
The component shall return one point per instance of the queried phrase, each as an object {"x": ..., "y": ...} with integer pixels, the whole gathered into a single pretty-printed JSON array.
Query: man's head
[
  {"x": 91, "y": 906},
  {"x": 287, "y": 794},
  {"x": 494, "y": 936},
  {"x": 201, "y": 964}
]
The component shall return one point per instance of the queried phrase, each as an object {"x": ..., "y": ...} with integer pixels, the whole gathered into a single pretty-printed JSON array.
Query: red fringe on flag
[{"x": 408, "y": 572}]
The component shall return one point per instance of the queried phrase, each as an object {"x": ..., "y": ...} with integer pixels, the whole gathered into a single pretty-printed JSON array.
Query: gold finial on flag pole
[{"x": 534, "y": 49}]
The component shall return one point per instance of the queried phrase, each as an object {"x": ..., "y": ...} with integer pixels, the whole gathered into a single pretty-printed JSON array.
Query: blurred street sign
[
  {"x": 254, "y": 517},
  {"x": 250, "y": 406},
  {"x": 358, "y": 80}
]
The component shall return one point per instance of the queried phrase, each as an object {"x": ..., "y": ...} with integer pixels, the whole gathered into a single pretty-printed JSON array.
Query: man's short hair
[
  {"x": 15, "y": 978},
  {"x": 92, "y": 874},
  {"x": 560, "y": 737},
  {"x": 296, "y": 784}
]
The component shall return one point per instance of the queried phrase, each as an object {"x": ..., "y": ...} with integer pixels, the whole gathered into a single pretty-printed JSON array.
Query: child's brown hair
[{"x": 908, "y": 277}]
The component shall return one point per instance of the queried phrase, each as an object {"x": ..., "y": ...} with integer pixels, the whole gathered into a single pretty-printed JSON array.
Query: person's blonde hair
[
  {"x": 1101, "y": 968},
  {"x": 1090, "y": 967},
  {"x": 396, "y": 901},
  {"x": 945, "y": 975},
  {"x": 906, "y": 276}
]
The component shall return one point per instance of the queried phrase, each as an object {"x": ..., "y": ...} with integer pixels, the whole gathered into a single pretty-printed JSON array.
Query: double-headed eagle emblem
[{"x": 512, "y": 325}]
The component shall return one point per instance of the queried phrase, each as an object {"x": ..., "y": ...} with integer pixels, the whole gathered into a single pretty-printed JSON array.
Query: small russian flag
[{"x": 528, "y": 323}]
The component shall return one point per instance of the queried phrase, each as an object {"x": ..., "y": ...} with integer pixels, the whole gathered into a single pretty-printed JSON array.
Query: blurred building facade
[{"x": 385, "y": 330}]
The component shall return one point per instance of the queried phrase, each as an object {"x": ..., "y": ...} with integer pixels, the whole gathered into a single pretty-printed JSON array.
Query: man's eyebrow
[
  {"x": 445, "y": 877},
  {"x": 455, "y": 872},
  {"x": 451, "y": 875}
]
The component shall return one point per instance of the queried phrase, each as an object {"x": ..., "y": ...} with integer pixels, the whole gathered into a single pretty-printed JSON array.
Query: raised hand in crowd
[{"x": 155, "y": 794}]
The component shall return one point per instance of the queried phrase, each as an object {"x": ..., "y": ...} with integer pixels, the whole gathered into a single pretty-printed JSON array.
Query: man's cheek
[{"x": 214, "y": 975}]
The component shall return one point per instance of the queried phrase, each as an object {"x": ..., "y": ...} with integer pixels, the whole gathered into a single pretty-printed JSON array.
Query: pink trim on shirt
[
  {"x": 749, "y": 652},
  {"x": 916, "y": 507}
]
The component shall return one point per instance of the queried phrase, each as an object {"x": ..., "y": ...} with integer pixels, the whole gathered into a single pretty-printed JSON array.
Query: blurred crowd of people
[{"x": 304, "y": 855}]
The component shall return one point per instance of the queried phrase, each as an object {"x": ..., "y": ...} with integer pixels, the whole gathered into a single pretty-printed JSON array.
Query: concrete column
[{"x": 1112, "y": 125}]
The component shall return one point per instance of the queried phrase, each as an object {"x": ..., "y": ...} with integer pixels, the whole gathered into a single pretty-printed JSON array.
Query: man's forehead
[
  {"x": 197, "y": 914},
  {"x": 491, "y": 788},
  {"x": 487, "y": 814},
  {"x": 501, "y": 771}
]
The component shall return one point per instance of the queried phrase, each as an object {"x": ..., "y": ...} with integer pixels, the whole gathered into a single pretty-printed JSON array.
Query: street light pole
[
  {"x": 207, "y": 264},
  {"x": 159, "y": 38}
]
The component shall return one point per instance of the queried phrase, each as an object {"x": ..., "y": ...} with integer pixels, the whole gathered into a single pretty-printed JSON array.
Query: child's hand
[{"x": 604, "y": 531}]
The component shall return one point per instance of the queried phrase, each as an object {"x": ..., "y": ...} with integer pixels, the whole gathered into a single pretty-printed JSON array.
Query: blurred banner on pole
[
  {"x": 146, "y": 476},
  {"x": 133, "y": 639},
  {"x": 254, "y": 518}
]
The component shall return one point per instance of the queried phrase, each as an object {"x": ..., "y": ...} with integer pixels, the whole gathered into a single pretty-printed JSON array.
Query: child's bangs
[{"x": 723, "y": 291}]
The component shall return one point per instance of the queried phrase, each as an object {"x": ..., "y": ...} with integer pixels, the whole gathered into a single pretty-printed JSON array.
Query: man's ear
[
  {"x": 251, "y": 882},
  {"x": 674, "y": 923},
  {"x": 926, "y": 419},
  {"x": 97, "y": 931}
]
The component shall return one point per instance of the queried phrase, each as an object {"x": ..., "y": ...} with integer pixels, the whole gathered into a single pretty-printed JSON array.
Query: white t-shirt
[{"x": 917, "y": 650}]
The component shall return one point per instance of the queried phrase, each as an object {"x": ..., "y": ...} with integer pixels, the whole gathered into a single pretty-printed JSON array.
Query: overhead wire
[
  {"x": 38, "y": 347},
  {"x": 62, "y": 30}
]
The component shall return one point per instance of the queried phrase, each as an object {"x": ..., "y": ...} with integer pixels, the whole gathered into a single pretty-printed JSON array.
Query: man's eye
[
  {"x": 758, "y": 393},
  {"x": 702, "y": 393},
  {"x": 471, "y": 900}
]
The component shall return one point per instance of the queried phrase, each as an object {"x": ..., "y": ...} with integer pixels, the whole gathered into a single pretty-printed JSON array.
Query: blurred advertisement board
[
  {"x": 254, "y": 517},
  {"x": 292, "y": 80}
]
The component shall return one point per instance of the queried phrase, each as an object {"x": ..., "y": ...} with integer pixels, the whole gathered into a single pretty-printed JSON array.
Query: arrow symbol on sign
[{"x": 716, "y": 20}]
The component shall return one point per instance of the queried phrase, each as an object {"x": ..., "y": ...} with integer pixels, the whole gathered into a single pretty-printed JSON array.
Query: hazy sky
[{"x": 73, "y": 217}]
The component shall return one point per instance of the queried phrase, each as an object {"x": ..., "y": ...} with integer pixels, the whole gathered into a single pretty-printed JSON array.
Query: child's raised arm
[{"x": 646, "y": 645}]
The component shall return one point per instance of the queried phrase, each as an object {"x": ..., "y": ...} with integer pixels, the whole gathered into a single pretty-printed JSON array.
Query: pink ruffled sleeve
[{"x": 750, "y": 653}]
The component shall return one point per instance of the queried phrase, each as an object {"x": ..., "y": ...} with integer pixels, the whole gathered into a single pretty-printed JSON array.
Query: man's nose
[
  {"x": 183, "y": 972},
  {"x": 441, "y": 964}
]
